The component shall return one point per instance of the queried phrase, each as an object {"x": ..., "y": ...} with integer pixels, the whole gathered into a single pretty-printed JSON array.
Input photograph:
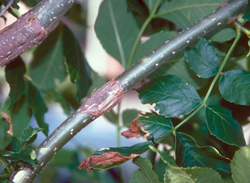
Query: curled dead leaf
[
  {"x": 133, "y": 131},
  {"x": 8, "y": 119},
  {"x": 111, "y": 158}
]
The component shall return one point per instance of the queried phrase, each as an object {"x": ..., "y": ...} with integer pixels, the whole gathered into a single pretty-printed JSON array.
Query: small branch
[
  {"x": 31, "y": 28},
  {"x": 112, "y": 92},
  {"x": 6, "y": 7}
]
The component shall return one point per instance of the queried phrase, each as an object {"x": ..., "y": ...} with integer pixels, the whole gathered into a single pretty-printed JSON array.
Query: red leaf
[{"x": 104, "y": 159}]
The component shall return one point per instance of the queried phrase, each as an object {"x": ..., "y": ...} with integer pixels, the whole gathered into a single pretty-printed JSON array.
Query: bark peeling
[
  {"x": 104, "y": 99},
  {"x": 26, "y": 32}
]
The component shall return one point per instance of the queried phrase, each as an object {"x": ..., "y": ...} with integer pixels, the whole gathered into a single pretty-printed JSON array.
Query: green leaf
[
  {"x": 138, "y": 177},
  {"x": 191, "y": 175},
  {"x": 166, "y": 158},
  {"x": 31, "y": 3},
  {"x": 154, "y": 41},
  {"x": 155, "y": 124},
  {"x": 58, "y": 97},
  {"x": 128, "y": 116},
  {"x": 36, "y": 103},
  {"x": 189, "y": 154},
  {"x": 146, "y": 170},
  {"x": 78, "y": 14},
  {"x": 48, "y": 65},
  {"x": 221, "y": 124},
  {"x": 224, "y": 35},
  {"x": 14, "y": 74},
  {"x": 203, "y": 59},
  {"x": 23, "y": 156},
  {"x": 150, "y": 4},
  {"x": 235, "y": 86},
  {"x": 185, "y": 13},
  {"x": 29, "y": 135},
  {"x": 77, "y": 65},
  {"x": 5, "y": 138},
  {"x": 171, "y": 95},
  {"x": 247, "y": 12},
  {"x": 240, "y": 165},
  {"x": 116, "y": 29},
  {"x": 177, "y": 66}
]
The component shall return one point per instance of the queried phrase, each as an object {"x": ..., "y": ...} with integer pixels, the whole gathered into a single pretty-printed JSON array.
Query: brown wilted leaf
[
  {"x": 104, "y": 159},
  {"x": 133, "y": 131},
  {"x": 8, "y": 119}
]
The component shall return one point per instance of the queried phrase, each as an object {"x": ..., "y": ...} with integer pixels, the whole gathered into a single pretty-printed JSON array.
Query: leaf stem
[
  {"x": 144, "y": 26},
  {"x": 238, "y": 35},
  {"x": 7, "y": 168}
]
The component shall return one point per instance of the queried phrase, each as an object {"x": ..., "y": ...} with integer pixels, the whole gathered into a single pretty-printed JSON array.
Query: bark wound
[
  {"x": 103, "y": 99},
  {"x": 19, "y": 36}
]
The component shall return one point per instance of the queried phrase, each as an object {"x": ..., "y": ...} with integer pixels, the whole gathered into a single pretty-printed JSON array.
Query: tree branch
[
  {"x": 111, "y": 93},
  {"x": 31, "y": 28},
  {"x": 6, "y": 7}
]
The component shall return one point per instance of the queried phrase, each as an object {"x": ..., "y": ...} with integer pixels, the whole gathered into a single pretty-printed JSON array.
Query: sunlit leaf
[
  {"x": 185, "y": 13},
  {"x": 221, "y": 124},
  {"x": 5, "y": 138},
  {"x": 189, "y": 154},
  {"x": 77, "y": 65},
  {"x": 203, "y": 59},
  {"x": 48, "y": 64},
  {"x": 171, "y": 95},
  {"x": 116, "y": 29},
  {"x": 36, "y": 103},
  {"x": 14, "y": 74},
  {"x": 191, "y": 175},
  {"x": 235, "y": 86},
  {"x": 146, "y": 171},
  {"x": 240, "y": 165},
  {"x": 29, "y": 135}
]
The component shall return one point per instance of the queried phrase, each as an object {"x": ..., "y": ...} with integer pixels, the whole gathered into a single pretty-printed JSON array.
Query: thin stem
[
  {"x": 6, "y": 7},
  {"x": 238, "y": 35},
  {"x": 144, "y": 26},
  {"x": 7, "y": 168}
]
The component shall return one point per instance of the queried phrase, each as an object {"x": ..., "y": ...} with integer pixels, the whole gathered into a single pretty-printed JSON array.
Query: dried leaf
[
  {"x": 133, "y": 131},
  {"x": 8, "y": 119},
  {"x": 110, "y": 158}
]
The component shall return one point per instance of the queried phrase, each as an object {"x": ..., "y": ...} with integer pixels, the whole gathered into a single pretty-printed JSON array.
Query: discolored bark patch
[
  {"x": 104, "y": 99},
  {"x": 19, "y": 36}
]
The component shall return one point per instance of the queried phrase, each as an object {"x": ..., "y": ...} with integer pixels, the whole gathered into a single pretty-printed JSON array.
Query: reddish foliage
[{"x": 104, "y": 159}]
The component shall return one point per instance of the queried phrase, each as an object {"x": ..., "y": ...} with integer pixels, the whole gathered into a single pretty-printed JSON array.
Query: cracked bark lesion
[
  {"x": 104, "y": 99},
  {"x": 26, "y": 32}
]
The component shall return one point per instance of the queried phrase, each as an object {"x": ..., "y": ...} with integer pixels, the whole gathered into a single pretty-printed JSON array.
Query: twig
[{"x": 6, "y": 7}]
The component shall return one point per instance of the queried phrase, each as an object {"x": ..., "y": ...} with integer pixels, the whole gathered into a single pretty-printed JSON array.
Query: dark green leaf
[
  {"x": 48, "y": 64},
  {"x": 146, "y": 169},
  {"x": 14, "y": 74},
  {"x": 31, "y": 3},
  {"x": 235, "y": 86},
  {"x": 177, "y": 66},
  {"x": 116, "y": 29},
  {"x": 191, "y": 175},
  {"x": 154, "y": 41},
  {"x": 138, "y": 177},
  {"x": 29, "y": 152},
  {"x": 150, "y": 4},
  {"x": 224, "y": 35},
  {"x": 36, "y": 103},
  {"x": 155, "y": 124},
  {"x": 240, "y": 165},
  {"x": 77, "y": 65},
  {"x": 5, "y": 138},
  {"x": 171, "y": 95},
  {"x": 189, "y": 154},
  {"x": 203, "y": 59},
  {"x": 185, "y": 13},
  {"x": 77, "y": 14},
  {"x": 111, "y": 116},
  {"x": 247, "y": 12},
  {"x": 58, "y": 97},
  {"x": 23, "y": 156},
  {"x": 128, "y": 116},
  {"x": 29, "y": 135},
  {"x": 221, "y": 124}
]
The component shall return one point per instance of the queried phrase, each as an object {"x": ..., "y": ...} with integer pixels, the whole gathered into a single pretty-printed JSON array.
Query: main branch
[{"x": 111, "y": 93}]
